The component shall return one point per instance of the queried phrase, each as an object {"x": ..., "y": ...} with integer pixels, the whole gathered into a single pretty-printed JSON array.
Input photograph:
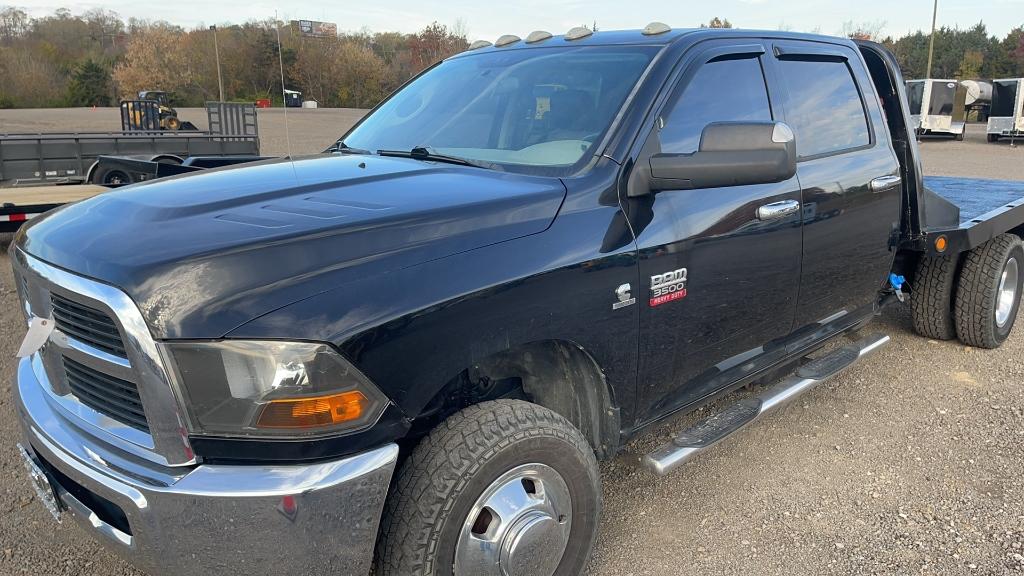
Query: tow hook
[{"x": 897, "y": 282}]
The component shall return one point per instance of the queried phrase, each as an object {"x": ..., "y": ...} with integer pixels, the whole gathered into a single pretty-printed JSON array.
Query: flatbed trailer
[
  {"x": 33, "y": 159},
  {"x": 40, "y": 171},
  {"x": 70, "y": 158},
  {"x": 18, "y": 205}
]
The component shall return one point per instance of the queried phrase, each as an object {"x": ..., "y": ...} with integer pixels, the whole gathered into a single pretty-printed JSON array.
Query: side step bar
[{"x": 714, "y": 428}]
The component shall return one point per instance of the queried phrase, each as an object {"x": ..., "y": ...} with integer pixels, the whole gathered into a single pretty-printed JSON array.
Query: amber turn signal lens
[
  {"x": 313, "y": 412},
  {"x": 940, "y": 244}
]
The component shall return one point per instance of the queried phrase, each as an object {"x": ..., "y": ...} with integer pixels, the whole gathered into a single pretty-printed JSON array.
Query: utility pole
[
  {"x": 216, "y": 52},
  {"x": 931, "y": 40}
]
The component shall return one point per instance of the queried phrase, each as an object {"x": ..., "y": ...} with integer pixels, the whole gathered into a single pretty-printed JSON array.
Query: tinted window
[
  {"x": 823, "y": 107},
  {"x": 720, "y": 91}
]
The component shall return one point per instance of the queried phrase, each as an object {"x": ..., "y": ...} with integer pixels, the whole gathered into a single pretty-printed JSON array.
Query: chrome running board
[{"x": 714, "y": 428}]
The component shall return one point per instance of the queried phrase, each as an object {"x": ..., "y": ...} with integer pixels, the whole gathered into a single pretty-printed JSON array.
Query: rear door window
[
  {"x": 729, "y": 89},
  {"x": 823, "y": 106}
]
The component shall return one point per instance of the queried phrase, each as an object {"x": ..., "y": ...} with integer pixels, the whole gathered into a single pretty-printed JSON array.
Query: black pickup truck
[{"x": 410, "y": 353}]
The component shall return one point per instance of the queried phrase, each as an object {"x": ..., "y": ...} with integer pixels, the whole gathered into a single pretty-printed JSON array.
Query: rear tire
[
  {"x": 931, "y": 302},
  {"x": 988, "y": 295},
  {"x": 441, "y": 497},
  {"x": 993, "y": 137}
]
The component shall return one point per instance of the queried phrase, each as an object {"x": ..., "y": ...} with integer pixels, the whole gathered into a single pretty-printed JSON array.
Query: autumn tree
[
  {"x": 862, "y": 30},
  {"x": 433, "y": 44},
  {"x": 14, "y": 24},
  {"x": 76, "y": 59},
  {"x": 155, "y": 59},
  {"x": 717, "y": 22},
  {"x": 361, "y": 82},
  {"x": 29, "y": 79},
  {"x": 970, "y": 65}
]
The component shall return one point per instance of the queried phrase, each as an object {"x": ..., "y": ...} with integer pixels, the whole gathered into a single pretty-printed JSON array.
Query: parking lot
[{"x": 909, "y": 463}]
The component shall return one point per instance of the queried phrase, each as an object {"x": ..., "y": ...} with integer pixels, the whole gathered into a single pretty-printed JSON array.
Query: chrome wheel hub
[
  {"x": 519, "y": 526},
  {"x": 1006, "y": 297}
]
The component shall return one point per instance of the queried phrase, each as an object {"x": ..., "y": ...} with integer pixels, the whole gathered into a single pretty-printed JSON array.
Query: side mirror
[{"x": 730, "y": 154}]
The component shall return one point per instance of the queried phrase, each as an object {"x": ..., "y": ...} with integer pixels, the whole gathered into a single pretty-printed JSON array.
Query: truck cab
[{"x": 411, "y": 351}]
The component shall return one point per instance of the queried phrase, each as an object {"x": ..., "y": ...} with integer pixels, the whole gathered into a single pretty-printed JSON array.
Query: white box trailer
[
  {"x": 1006, "y": 116},
  {"x": 938, "y": 106}
]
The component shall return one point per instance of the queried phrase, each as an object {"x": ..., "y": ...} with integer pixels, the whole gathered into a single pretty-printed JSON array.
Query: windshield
[{"x": 537, "y": 110}]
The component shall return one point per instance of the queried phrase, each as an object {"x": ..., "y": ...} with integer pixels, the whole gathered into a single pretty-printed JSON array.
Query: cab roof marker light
[
  {"x": 537, "y": 36},
  {"x": 578, "y": 32},
  {"x": 506, "y": 40},
  {"x": 479, "y": 44},
  {"x": 655, "y": 28}
]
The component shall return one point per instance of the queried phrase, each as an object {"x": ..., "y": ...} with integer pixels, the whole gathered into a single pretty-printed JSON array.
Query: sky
[{"x": 488, "y": 19}]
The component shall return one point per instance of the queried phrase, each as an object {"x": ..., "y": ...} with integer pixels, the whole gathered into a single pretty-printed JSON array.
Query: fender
[{"x": 412, "y": 330}]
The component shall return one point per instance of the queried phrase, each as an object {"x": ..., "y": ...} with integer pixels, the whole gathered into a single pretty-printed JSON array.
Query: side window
[
  {"x": 730, "y": 90},
  {"x": 823, "y": 106}
]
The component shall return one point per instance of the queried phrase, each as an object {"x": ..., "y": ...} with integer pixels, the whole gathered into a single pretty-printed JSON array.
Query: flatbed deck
[{"x": 987, "y": 208}]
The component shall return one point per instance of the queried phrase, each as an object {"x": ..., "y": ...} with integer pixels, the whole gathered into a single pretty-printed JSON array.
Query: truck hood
[{"x": 204, "y": 253}]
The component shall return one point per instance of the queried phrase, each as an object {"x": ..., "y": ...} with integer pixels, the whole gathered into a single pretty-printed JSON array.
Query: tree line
[{"x": 97, "y": 58}]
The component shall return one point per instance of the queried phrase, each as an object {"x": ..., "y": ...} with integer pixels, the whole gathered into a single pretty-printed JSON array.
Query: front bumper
[{"x": 209, "y": 519}]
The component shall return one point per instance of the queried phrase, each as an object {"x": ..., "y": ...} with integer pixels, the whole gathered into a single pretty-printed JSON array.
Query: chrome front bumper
[{"x": 209, "y": 519}]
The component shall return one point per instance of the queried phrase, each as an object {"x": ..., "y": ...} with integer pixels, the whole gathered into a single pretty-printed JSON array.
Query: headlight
[{"x": 271, "y": 389}]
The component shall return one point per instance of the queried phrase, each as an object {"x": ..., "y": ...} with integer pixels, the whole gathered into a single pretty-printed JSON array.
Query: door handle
[
  {"x": 883, "y": 183},
  {"x": 777, "y": 210}
]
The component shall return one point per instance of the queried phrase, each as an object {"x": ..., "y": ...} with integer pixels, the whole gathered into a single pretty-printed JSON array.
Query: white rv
[
  {"x": 1006, "y": 116},
  {"x": 938, "y": 106}
]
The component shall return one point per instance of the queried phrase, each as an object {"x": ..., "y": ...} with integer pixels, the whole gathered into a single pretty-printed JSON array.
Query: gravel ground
[{"x": 908, "y": 463}]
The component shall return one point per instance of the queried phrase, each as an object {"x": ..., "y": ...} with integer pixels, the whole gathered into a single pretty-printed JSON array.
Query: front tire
[
  {"x": 988, "y": 295},
  {"x": 500, "y": 486}
]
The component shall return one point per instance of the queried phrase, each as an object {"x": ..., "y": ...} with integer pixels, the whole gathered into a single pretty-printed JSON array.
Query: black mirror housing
[{"x": 730, "y": 154}]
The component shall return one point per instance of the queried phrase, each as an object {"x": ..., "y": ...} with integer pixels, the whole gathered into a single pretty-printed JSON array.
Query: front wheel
[
  {"x": 501, "y": 488},
  {"x": 989, "y": 291}
]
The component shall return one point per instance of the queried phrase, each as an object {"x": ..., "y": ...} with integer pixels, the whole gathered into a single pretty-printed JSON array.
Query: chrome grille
[
  {"x": 101, "y": 363},
  {"x": 87, "y": 325},
  {"x": 116, "y": 398}
]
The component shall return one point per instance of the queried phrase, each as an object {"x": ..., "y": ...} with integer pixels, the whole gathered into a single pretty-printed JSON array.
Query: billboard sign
[{"x": 315, "y": 28}]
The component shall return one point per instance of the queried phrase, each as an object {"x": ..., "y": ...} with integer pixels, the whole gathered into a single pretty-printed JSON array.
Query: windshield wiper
[
  {"x": 425, "y": 153},
  {"x": 340, "y": 147}
]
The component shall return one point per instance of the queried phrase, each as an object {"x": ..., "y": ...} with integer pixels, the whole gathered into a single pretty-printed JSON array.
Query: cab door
[
  {"x": 718, "y": 282},
  {"x": 850, "y": 177}
]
